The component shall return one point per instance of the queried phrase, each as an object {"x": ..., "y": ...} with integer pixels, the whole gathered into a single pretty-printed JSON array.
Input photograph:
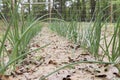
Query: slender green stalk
[
  {"x": 19, "y": 33},
  {"x": 3, "y": 69}
]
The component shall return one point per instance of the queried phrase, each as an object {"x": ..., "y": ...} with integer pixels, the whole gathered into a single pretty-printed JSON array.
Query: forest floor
[{"x": 60, "y": 52}]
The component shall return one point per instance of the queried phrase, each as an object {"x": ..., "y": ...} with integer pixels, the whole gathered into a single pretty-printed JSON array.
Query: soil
[{"x": 60, "y": 52}]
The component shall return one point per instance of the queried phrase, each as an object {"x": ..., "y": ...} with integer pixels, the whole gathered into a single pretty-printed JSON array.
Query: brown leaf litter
[{"x": 59, "y": 53}]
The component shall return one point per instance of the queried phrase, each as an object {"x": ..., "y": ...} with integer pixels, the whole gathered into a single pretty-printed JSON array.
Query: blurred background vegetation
[{"x": 85, "y": 10}]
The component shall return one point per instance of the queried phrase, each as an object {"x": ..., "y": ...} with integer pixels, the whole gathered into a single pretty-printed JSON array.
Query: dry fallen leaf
[
  {"x": 4, "y": 77},
  {"x": 67, "y": 78},
  {"x": 70, "y": 59},
  {"x": 117, "y": 74},
  {"x": 52, "y": 62},
  {"x": 101, "y": 75}
]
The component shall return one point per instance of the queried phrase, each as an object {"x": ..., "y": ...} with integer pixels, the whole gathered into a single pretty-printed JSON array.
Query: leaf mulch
[{"x": 59, "y": 53}]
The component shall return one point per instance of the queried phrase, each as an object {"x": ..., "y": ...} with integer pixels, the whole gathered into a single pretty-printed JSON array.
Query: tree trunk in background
[
  {"x": 83, "y": 14},
  {"x": 115, "y": 14},
  {"x": 14, "y": 6},
  {"x": 29, "y": 6},
  {"x": 106, "y": 11},
  {"x": 111, "y": 11},
  {"x": 64, "y": 10},
  {"x": 92, "y": 5},
  {"x": 98, "y": 6},
  {"x": 60, "y": 6},
  {"x": 78, "y": 9},
  {"x": 50, "y": 10},
  {"x": 13, "y": 2},
  {"x": 5, "y": 9}
]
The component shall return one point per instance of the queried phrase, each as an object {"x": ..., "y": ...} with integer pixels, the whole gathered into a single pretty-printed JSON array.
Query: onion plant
[
  {"x": 59, "y": 26},
  {"x": 72, "y": 32},
  {"x": 95, "y": 35},
  {"x": 90, "y": 37},
  {"x": 112, "y": 47},
  {"x": 67, "y": 29},
  {"x": 19, "y": 32}
]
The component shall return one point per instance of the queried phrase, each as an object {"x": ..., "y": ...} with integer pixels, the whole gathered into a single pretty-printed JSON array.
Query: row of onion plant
[
  {"x": 90, "y": 38},
  {"x": 19, "y": 32}
]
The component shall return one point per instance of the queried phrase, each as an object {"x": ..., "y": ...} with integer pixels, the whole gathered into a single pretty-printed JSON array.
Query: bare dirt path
[{"x": 60, "y": 52}]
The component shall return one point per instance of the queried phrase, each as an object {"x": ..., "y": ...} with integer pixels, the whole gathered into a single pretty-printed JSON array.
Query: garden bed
[{"x": 59, "y": 53}]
